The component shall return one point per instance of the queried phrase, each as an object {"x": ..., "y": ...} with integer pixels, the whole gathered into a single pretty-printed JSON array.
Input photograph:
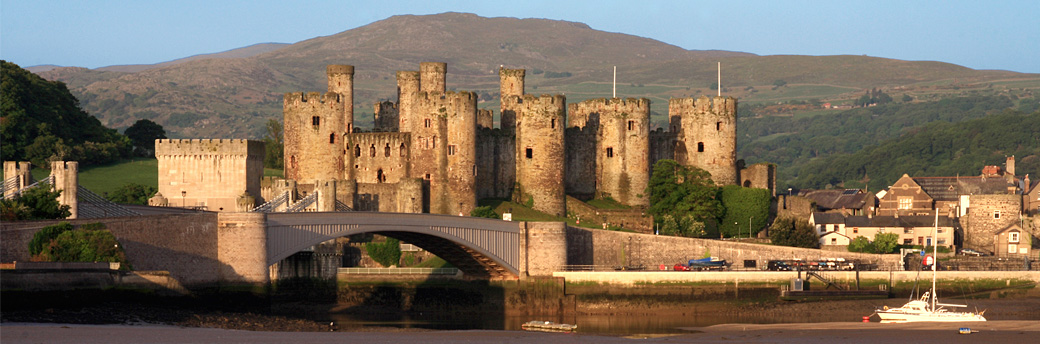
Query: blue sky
[{"x": 976, "y": 34}]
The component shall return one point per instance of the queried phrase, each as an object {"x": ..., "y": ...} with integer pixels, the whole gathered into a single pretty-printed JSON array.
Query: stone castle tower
[
  {"x": 434, "y": 151},
  {"x": 706, "y": 135},
  {"x": 616, "y": 132}
]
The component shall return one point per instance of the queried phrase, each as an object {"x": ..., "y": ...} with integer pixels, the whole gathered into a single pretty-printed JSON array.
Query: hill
[
  {"x": 232, "y": 97},
  {"x": 936, "y": 149}
]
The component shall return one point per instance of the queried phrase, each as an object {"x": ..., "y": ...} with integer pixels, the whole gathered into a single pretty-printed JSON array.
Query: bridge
[{"x": 479, "y": 247}]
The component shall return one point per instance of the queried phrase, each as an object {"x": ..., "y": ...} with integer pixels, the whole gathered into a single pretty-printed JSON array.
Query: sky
[{"x": 1002, "y": 35}]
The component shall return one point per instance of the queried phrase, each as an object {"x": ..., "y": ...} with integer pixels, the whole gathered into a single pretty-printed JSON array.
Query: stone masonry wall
[
  {"x": 185, "y": 245},
  {"x": 496, "y": 163},
  {"x": 986, "y": 215},
  {"x": 210, "y": 173},
  {"x": 611, "y": 248},
  {"x": 378, "y": 157}
]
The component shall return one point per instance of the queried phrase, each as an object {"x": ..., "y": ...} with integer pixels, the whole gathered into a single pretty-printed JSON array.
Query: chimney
[{"x": 1009, "y": 166}]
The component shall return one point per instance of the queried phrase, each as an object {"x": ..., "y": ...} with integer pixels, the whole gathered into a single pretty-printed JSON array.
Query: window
[
  {"x": 855, "y": 230},
  {"x": 996, "y": 214},
  {"x": 402, "y": 150},
  {"x": 315, "y": 121},
  {"x": 357, "y": 150},
  {"x": 451, "y": 149},
  {"x": 1013, "y": 237},
  {"x": 426, "y": 122},
  {"x": 834, "y": 241},
  {"x": 372, "y": 150},
  {"x": 718, "y": 126},
  {"x": 427, "y": 176},
  {"x": 610, "y": 152},
  {"x": 908, "y": 231},
  {"x": 380, "y": 177},
  {"x": 386, "y": 150},
  {"x": 553, "y": 123},
  {"x": 906, "y": 202},
  {"x": 529, "y": 152},
  {"x": 631, "y": 125},
  {"x": 700, "y": 146},
  {"x": 908, "y": 241},
  {"x": 332, "y": 138}
]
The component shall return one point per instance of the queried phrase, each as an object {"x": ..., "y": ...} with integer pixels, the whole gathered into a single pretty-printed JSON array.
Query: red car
[{"x": 680, "y": 267}]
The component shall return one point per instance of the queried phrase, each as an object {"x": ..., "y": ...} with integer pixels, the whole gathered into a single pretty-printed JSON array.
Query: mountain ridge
[{"x": 234, "y": 97}]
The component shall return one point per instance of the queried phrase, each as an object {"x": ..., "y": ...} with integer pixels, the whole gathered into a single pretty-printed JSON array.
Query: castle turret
[
  {"x": 341, "y": 80},
  {"x": 707, "y": 135},
  {"x": 385, "y": 116},
  {"x": 540, "y": 153},
  {"x": 462, "y": 164},
  {"x": 432, "y": 76},
  {"x": 407, "y": 99},
  {"x": 313, "y": 136},
  {"x": 511, "y": 83}
]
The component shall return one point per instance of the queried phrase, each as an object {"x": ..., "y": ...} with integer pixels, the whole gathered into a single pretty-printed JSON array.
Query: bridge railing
[{"x": 398, "y": 271}]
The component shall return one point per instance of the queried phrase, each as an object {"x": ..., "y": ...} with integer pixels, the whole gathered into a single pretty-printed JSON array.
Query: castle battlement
[
  {"x": 297, "y": 98},
  {"x": 339, "y": 69},
  {"x": 198, "y": 147}
]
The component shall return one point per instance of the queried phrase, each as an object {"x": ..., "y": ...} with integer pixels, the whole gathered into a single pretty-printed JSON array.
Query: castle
[{"x": 434, "y": 151}]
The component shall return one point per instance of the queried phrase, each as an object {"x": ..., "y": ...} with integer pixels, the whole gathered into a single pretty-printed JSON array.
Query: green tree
[
  {"x": 779, "y": 83},
  {"x": 143, "y": 135},
  {"x": 793, "y": 232},
  {"x": 743, "y": 204},
  {"x": 680, "y": 196},
  {"x": 91, "y": 243},
  {"x": 43, "y": 238},
  {"x": 132, "y": 193},
  {"x": 273, "y": 144},
  {"x": 484, "y": 211},
  {"x": 386, "y": 253},
  {"x": 886, "y": 242},
  {"x": 38, "y": 203},
  {"x": 861, "y": 244},
  {"x": 32, "y": 107}
]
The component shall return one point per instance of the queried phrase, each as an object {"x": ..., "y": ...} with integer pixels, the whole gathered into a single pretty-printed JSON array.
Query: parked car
[{"x": 971, "y": 252}]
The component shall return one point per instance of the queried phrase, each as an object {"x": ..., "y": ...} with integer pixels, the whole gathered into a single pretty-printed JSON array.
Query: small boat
[
  {"x": 548, "y": 326},
  {"x": 928, "y": 308}
]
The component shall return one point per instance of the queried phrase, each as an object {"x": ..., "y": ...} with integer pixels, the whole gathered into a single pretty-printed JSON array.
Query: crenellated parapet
[
  {"x": 620, "y": 160},
  {"x": 380, "y": 157},
  {"x": 251, "y": 149},
  {"x": 314, "y": 123}
]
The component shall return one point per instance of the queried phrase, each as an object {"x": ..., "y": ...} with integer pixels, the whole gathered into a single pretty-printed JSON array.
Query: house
[
  {"x": 1011, "y": 241},
  {"x": 836, "y": 229},
  {"x": 904, "y": 197},
  {"x": 1031, "y": 197},
  {"x": 845, "y": 201}
]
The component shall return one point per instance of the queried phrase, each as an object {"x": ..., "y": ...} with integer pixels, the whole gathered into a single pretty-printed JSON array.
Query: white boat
[
  {"x": 548, "y": 326},
  {"x": 928, "y": 308}
]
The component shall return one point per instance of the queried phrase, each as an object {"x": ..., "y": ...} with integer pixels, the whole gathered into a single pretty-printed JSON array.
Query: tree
[
  {"x": 32, "y": 107},
  {"x": 90, "y": 243},
  {"x": 273, "y": 144},
  {"x": 132, "y": 193},
  {"x": 861, "y": 244},
  {"x": 680, "y": 196},
  {"x": 143, "y": 135},
  {"x": 793, "y": 232},
  {"x": 485, "y": 211},
  {"x": 779, "y": 83},
  {"x": 38, "y": 203},
  {"x": 743, "y": 204},
  {"x": 387, "y": 253},
  {"x": 886, "y": 242}
]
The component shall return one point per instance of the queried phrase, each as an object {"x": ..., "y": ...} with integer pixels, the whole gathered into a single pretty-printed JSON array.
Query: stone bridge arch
[{"x": 479, "y": 247}]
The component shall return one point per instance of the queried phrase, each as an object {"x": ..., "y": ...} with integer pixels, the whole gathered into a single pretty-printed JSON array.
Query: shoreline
[{"x": 1014, "y": 331}]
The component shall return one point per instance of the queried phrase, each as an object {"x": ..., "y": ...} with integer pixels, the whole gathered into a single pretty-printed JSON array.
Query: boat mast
[{"x": 935, "y": 255}]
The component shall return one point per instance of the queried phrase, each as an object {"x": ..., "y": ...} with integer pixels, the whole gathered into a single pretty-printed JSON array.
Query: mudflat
[{"x": 1012, "y": 331}]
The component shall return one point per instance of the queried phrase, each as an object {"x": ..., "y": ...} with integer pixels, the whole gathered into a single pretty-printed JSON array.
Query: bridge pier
[
  {"x": 242, "y": 248},
  {"x": 543, "y": 248}
]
